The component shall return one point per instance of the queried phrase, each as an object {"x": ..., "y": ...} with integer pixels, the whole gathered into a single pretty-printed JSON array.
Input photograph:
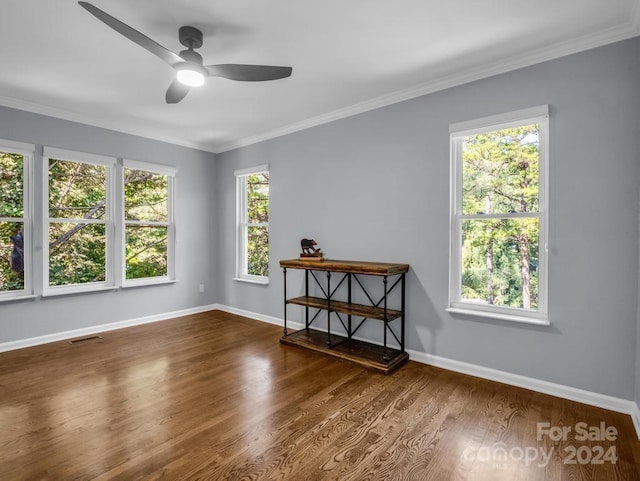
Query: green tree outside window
[
  {"x": 258, "y": 224},
  {"x": 11, "y": 222},
  {"x": 500, "y": 228}
]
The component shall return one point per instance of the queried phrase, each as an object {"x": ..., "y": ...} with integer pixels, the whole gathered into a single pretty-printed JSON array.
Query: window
[
  {"x": 148, "y": 222},
  {"x": 97, "y": 233},
  {"x": 78, "y": 230},
  {"x": 498, "y": 216},
  {"x": 252, "y": 186},
  {"x": 15, "y": 219}
]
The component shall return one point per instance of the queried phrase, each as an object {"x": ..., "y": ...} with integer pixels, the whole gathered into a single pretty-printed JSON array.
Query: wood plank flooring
[{"x": 215, "y": 396}]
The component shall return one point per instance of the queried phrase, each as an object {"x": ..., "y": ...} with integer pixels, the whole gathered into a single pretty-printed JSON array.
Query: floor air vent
[{"x": 84, "y": 339}]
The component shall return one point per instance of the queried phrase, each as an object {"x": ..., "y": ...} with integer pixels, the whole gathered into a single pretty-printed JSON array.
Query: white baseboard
[
  {"x": 635, "y": 417},
  {"x": 566, "y": 392},
  {"x": 558, "y": 390},
  {"x": 259, "y": 317},
  {"x": 86, "y": 331}
]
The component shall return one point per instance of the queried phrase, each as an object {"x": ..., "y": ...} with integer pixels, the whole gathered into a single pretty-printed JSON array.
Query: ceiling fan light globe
[{"x": 192, "y": 78}]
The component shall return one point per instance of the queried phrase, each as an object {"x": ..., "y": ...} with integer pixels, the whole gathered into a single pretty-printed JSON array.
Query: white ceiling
[{"x": 348, "y": 56}]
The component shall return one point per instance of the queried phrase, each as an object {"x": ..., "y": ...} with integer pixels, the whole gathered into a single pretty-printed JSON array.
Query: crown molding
[
  {"x": 621, "y": 32},
  {"x": 586, "y": 42},
  {"x": 635, "y": 16},
  {"x": 63, "y": 114}
]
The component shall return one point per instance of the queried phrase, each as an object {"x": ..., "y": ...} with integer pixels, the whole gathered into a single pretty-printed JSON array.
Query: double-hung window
[
  {"x": 252, "y": 258},
  {"x": 148, "y": 198},
  {"x": 16, "y": 163},
  {"x": 78, "y": 234},
  {"x": 499, "y": 216},
  {"x": 105, "y": 223}
]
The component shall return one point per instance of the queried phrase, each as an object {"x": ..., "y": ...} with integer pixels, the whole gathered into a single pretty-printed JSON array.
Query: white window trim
[
  {"x": 77, "y": 156},
  {"x": 457, "y": 132},
  {"x": 241, "y": 212},
  {"x": 171, "y": 173},
  {"x": 150, "y": 167},
  {"x": 249, "y": 279},
  {"x": 93, "y": 287},
  {"x": 149, "y": 281},
  {"x": 114, "y": 222},
  {"x": 85, "y": 158},
  {"x": 27, "y": 151}
]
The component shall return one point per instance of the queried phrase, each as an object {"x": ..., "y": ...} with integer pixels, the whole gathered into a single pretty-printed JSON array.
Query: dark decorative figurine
[
  {"x": 309, "y": 251},
  {"x": 17, "y": 254}
]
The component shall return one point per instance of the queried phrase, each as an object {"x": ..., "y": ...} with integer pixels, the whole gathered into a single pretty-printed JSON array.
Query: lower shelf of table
[{"x": 353, "y": 351}]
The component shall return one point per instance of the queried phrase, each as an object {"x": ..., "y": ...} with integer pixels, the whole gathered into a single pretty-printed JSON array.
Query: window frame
[
  {"x": 84, "y": 158},
  {"x": 242, "y": 224},
  {"x": 171, "y": 173},
  {"x": 28, "y": 153},
  {"x": 535, "y": 115}
]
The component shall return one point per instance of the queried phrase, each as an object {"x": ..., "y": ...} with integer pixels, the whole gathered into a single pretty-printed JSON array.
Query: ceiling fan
[{"x": 188, "y": 64}]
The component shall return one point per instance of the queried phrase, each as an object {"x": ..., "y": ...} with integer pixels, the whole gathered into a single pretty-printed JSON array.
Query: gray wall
[
  {"x": 376, "y": 187},
  {"x": 195, "y": 223},
  {"x": 637, "y": 398}
]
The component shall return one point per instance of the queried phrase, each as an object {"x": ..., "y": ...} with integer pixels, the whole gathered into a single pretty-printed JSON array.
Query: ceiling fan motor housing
[
  {"x": 190, "y": 37},
  {"x": 191, "y": 56}
]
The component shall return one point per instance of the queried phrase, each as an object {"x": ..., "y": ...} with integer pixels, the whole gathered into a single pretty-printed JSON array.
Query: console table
[{"x": 381, "y": 358}]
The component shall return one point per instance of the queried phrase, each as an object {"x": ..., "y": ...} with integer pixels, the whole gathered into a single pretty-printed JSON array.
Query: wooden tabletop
[{"x": 353, "y": 267}]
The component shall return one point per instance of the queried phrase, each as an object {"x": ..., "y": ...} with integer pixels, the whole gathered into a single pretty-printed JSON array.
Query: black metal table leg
[
  {"x": 385, "y": 356},
  {"x": 350, "y": 332},
  {"x": 328, "y": 309},
  {"x": 284, "y": 272},
  {"x": 402, "y": 322},
  {"x": 306, "y": 293}
]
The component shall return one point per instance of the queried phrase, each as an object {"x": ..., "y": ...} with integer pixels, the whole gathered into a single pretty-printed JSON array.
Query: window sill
[
  {"x": 68, "y": 291},
  {"x": 148, "y": 282},
  {"x": 263, "y": 282},
  {"x": 496, "y": 315},
  {"x": 26, "y": 297}
]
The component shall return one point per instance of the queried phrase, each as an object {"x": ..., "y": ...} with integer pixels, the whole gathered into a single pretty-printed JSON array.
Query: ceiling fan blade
[
  {"x": 176, "y": 92},
  {"x": 122, "y": 28},
  {"x": 248, "y": 73}
]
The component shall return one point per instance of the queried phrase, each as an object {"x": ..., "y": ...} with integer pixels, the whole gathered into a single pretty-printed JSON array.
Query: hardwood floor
[{"x": 216, "y": 396}]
